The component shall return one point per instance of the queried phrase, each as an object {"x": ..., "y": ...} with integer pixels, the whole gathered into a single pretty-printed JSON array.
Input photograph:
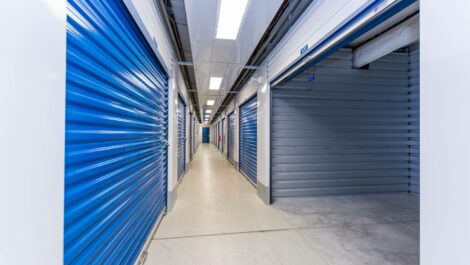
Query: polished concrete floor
[{"x": 218, "y": 219}]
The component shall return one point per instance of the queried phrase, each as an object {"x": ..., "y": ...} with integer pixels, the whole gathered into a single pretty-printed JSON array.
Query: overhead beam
[
  {"x": 171, "y": 25},
  {"x": 184, "y": 63},
  {"x": 402, "y": 35}
]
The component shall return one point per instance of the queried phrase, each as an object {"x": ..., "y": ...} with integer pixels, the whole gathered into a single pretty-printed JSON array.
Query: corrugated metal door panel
[
  {"x": 223, "y": 136},
  {"x": 219, "y": 134},
  {"x": 231, "y": 137},
  {"x": 414, "y": 107},
  {"x": 248, "y": 139},
  {"x": 116, "y": 128},
  {"x": 345, "y": 132},
  {"x": 181, "y": 137}
]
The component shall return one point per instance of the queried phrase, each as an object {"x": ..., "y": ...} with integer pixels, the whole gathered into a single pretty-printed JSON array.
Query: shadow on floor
[{"x": 374, "y": 229}]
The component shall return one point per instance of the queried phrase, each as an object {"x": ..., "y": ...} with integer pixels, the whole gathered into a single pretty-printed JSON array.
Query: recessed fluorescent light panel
[
  {"x": 214, "y": 83},
  {"x": 210, "y": 102},
  {"x": 208, "y": 110},
  {"x": 230, "y": 18}
]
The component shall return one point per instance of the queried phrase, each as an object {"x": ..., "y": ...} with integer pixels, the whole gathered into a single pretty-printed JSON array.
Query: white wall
[
  {"x": 445, "y": 131},
  {"x": 199, "y": 131},
  {"x": 147, "y": 16},
  {"x": 32, "y": 131}
]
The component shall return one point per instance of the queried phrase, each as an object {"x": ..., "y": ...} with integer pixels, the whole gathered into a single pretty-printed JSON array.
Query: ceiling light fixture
[
  {"x": 230, "y": 18},
  {"x": 210, "y": 102},
  {"x": 208, "y": 110},
  {"x": 214, "y": 83}
]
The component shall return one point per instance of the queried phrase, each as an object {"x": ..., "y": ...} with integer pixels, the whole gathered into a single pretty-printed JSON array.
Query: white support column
[
  {"x": 264, "y": 131},
  {"x": 445, "y": 132},
  {"x": 32, "y": 131},
  {"x": 172, "y": 138}
]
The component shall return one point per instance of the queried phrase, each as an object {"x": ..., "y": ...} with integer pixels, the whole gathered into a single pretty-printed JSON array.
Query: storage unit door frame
[
  {"x": 346, "y": 132},
  {"x": 181, "y": 137},
  {"x": 231, "y": 138},
  {"x": 248, "y": 139},
  {"x": 116, "y": 132}
]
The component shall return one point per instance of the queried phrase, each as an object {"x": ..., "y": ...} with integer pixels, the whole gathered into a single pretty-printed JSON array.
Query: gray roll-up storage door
[
  {"x": 248, "y": 139},
  {"x": 181, "y": 137},
  {"x": 116, "y": 130},
  {"x": 338, "y": 130},
  {"x": 414, "y": 107},
  {"x": 231, "y": 138}
]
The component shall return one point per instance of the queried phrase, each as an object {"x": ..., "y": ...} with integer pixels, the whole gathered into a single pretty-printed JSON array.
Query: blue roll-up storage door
[
  {"x": 248, "y": 140},
  {"x": 116, "y": 126},
  {"x": 205, "y": 135},
  {"x": 231, "y": 138},
  {"x": 220, "y": 136},
  {"x": 222, "y": 147},
  {"x": 181, "y": 137}
]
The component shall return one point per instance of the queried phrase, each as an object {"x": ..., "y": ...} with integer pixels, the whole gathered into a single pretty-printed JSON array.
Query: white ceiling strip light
[
  {"x": 230, "y": 18},
  {"x": 214, "y": 83}
]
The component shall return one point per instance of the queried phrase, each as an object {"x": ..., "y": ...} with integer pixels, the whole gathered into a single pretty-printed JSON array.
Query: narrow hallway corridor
[
  {"x": 235, "y": 132},
  {"x": 219, "y": 219}
]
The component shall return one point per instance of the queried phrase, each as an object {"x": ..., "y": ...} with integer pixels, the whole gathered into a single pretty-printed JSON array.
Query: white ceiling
[{"x": 218, "y": 57}]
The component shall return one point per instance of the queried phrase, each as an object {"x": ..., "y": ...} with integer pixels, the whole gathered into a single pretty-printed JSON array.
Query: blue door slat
[
  {"x": 181, "y": 137},
  {"x": 248, "y": 139},
  {"x": 116, "y": 128}
]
